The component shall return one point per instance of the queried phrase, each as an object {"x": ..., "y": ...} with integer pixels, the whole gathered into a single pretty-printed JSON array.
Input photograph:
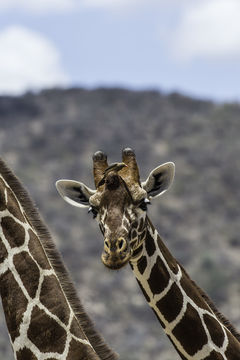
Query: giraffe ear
[
  {"x": 159, "y": 179},
  {"x": 74, "y": 192}
]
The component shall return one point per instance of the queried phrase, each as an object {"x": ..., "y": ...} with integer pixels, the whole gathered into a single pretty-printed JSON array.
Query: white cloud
[
  {"x": 28, "y": 61},
  {"x": 209, "y": 29}
]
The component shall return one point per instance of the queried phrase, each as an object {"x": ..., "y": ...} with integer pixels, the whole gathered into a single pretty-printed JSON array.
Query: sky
[{"x": 187, "y": 46}]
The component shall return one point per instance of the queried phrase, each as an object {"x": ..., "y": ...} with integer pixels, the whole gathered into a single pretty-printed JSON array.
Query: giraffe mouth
[{"x": 115, "y": 262}]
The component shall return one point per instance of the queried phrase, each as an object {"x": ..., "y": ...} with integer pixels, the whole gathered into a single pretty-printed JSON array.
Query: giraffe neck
[
  {"x": 186, "y": 314},
  {"x": 44, "y": 316}
]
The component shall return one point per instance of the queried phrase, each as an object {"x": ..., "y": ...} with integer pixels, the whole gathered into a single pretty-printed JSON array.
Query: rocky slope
[{"x": 53, "y": 135}]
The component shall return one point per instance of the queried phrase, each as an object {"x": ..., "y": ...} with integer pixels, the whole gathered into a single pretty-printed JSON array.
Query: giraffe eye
[
  {"x": 144, "y": 204},
  {"x": 93, "y": 211}
]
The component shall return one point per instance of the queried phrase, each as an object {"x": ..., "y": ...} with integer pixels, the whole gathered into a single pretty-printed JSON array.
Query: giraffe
[
  {"x": 44, "y": 316},
  {"x": 189, "y": 318}
]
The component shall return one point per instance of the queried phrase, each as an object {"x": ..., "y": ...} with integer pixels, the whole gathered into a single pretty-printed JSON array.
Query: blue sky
[{"x": 189, "y": 46}]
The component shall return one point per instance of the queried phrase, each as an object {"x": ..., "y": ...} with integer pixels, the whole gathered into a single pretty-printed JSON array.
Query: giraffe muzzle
[{"x": 116, "y": 253}]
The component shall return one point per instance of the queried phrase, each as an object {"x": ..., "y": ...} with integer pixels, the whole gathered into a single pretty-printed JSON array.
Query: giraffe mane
[
  {"x": 210, "y": 303},
  {"x": 31, "y": 212}
]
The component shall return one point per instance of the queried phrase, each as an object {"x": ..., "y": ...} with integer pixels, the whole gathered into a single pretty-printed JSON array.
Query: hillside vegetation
[{"x": 53, "y": 134}]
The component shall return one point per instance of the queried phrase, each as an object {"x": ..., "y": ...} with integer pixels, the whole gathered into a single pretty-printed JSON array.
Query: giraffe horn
[
  {"x": 131, "y": 171},
  {"x": 100, "y": 164}
]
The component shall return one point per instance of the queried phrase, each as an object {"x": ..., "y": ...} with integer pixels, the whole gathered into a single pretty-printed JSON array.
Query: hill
[{"x": 53, "y": 134}]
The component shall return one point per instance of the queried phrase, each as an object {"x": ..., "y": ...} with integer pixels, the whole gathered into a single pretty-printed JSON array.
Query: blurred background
[{"x": 160, "y": 76}]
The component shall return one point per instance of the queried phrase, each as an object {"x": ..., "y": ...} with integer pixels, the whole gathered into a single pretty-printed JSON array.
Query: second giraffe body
[
  {"x": 196, "y": 329},
  {"x": 44, "y": 316}
]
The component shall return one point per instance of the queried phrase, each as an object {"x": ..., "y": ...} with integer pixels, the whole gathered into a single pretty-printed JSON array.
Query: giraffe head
[{"x": 119, "y": 202}]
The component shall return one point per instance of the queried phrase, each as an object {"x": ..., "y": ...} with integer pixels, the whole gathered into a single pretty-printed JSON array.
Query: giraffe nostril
[
  {"x": 120, "y": 245},
  {"x": 106, "y": 244}
]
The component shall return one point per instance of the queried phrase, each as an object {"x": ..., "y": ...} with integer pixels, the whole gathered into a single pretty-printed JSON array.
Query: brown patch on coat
[
  {"x": 190, "y": 331},
  {"x": 77, "y": 348},
  {"x": 45, "y": 332},
  {"x": 3, "y": 251},
  {"x": 214, "y": 356},
  {"x": 13, "y": 232},
  {"x": 23, "y": 264},
  {"x": 13, "y": 206},
  {"x": 159, "y": 277},
  {"x": 215, "y": 330},
  {"x": 233, "y": 351},
  {"x": 171, "y": 304},
  {"x": 26, "y": 354},
  {"x": 75, "y": 327},
  {"x": 137, "y": 251},
  {"x": 37, "y": 252},
  {"x": 142, "y": 264},
  {"x": 150, "y": 244},
  {"x": 58, "y": 307},
  {"x": 171, "y": 261},
  {"x": 14, "y": 303},
  {"x": 193, "y": 293}
]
